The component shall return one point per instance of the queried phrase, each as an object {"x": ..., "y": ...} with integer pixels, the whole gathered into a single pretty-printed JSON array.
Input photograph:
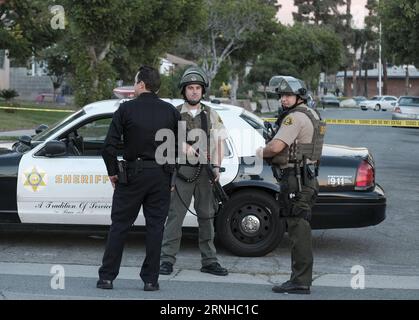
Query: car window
[
  {"x": 87, "y": 139},
  {"x": 227, "y": 149},
  {"x": 409, "y": 101},
  {"x": 389, "y": 99},
  {"x": 375, "y": 98},
  {"x": 95, "y": 131},
  {"x": 58, "y": 126},
  {"x": 255, "y": 124}
]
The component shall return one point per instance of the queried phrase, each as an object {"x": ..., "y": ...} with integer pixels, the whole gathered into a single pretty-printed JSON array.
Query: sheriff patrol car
[{"x": 57, "y": 179}]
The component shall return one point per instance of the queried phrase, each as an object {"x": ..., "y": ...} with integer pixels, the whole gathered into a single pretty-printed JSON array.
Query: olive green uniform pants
[
  {"x": 204, "y": 207},
  {"x": 296, "y": 208}
]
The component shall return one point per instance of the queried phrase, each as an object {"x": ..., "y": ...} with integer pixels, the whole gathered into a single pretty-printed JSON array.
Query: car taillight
[
  {"x": 397, "y": 110},
  {"x": 365, "y": 176}
]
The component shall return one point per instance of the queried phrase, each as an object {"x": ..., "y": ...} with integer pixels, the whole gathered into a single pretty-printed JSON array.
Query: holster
[
  {"x": 122, "y": 171},
  {"x": 292, "y": 201}
]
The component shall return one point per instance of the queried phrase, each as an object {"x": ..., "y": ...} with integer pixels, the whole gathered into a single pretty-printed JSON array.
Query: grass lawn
[{"x": 22, "y": 119}]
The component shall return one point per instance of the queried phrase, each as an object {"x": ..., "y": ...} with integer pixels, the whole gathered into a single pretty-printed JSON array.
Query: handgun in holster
[{"x": 122, "y": 171}]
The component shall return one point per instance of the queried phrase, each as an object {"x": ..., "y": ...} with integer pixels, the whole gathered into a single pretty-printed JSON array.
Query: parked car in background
[
  {"x": 378, "y": 103},
  {"x": 311, "y": 102},
  {"x": 329, "y": 100},
  {"x": 359, "y": 99},
  {"x": 348, "y": 103},
  {"x": 407, "y": 108}
]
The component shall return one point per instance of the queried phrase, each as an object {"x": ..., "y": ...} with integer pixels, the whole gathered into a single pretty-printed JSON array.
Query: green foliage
[
  {"x": 170, "y": 84},
  {"x": 109, "y": 44},
  {"x": 301, "y": 51},
  {"x": 25, "y": 28},
  {"x": 232, "y": 30},
  {"x": 8, "y": 94},
  {"x": 85, "y": 77},
  {"x": 400, "y": 25},
  {"x": 319, "y": 11}
]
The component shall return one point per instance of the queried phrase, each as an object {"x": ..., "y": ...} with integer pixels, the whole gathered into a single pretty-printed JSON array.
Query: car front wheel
[
  {"x": 377, "y": 107},
  {"x": 249, "y": 225}
]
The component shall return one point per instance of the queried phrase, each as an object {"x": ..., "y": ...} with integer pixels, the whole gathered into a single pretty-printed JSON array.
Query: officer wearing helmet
[
  {"x": 205, "y": 134},
  {"x": 294, "y": 153}
]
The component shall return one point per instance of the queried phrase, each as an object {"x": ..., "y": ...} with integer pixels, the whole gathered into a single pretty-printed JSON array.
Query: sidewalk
[
  {"x": 372, "y": 281},
  {"x": 17, "y": 133}
]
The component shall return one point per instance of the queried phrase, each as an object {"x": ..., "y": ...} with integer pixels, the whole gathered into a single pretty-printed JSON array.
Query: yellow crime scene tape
[
  {"x": 356, "y": 122},
  {"x": 367, "y": 122},
  {"x": 34, "y": 109}
]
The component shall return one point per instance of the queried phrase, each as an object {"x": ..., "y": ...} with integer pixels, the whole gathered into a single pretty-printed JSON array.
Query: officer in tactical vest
[
  {"x": 205, "y": 139},
  {"x": 294, "y": 153}
]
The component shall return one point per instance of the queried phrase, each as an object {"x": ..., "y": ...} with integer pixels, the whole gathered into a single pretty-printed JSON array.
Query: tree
[
  {"x": 300, "y": 51},
  {"x": 229, "y": 27},
  {"x": 400, "y": 22},
  {"x": 107, "y": 42},
  {"x": 319, "y": 12},
  {"x": 58, "y": 65},
  {"x": 25, "y": 28}
]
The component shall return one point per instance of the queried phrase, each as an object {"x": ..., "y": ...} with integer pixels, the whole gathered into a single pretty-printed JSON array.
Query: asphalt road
[{"x": 388, "y": 252}]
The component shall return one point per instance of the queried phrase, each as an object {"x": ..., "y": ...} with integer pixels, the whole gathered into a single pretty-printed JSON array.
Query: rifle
[{"x": 219, "y": 193}]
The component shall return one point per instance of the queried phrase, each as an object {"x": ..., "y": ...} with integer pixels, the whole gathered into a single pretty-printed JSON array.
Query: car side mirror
[
  {"x": 25, "y": 140},
  {"x": 41, "y": 128},
  {"x": 53, "y": 149}
]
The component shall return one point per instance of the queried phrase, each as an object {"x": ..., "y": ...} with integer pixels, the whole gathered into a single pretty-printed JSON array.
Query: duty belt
[{"x": 139, "y": 164}]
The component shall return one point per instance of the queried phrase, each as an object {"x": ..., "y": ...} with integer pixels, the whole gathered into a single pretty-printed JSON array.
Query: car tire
[
  {"x": 258, "y": 211},
  {"x": 377, "y": 107}
]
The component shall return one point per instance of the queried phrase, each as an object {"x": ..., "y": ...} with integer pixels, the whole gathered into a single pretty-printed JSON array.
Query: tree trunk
[
  {"x": 366, "y": 83},
  {"x": 407, "y": 80},
  {"x": 354, "y": 78},
  {"x": 95, "y": 59},
  {"x": 234, "y": 88},
  {"x": 345, "y": 74},
  {"x": 384, "y": 76},
  {"x": 361, "y": 63},
  {"x": 266, "y": 97}
]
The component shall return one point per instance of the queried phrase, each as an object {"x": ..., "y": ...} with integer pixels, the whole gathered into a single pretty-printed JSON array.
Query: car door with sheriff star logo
[{"x": 68, "y": 189}]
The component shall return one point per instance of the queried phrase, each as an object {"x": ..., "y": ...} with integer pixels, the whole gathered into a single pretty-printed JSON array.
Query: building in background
[
  {"x": 396, "y": 81},
  {"x": 171, "y": 62}
]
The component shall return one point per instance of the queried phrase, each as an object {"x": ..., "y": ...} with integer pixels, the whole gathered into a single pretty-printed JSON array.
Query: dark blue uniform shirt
[{"x": 136, "y": 122}]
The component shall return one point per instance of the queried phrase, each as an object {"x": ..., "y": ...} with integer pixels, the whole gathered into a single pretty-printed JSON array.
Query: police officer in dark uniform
[
  {"x": 294, "y": 152},
  {"x": 140, "y": 180}
]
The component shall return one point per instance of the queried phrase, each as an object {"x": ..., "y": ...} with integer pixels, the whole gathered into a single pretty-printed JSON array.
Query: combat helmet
[
  {"x": 194, "y": 75},
  {"x": 287, "y": 84}
]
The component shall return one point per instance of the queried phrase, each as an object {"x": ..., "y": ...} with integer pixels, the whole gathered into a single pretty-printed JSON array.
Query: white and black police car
[{"x": 57, "y": 180}]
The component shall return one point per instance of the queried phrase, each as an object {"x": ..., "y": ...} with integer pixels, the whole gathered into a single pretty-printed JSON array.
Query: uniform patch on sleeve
[{"x": 288, "y": 121}]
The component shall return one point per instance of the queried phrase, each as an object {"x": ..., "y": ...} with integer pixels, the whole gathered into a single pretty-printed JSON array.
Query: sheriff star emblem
[
  {"x": 34, "y": 179},
  {"x": 288, "y": 121}
]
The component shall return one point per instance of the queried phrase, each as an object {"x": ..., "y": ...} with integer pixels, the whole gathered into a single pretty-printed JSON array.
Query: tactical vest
[
  {"x": 195, "y": 122},
  {"x": 302, "y": 151}
]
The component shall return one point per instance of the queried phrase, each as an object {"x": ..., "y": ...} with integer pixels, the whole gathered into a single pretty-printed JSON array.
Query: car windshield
[
  {"x": 42, "y": 136},
  {"x": 260, "y": 128},
  {"x": 409, "y": 101},
  {"x": 375, "y": 98}
]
